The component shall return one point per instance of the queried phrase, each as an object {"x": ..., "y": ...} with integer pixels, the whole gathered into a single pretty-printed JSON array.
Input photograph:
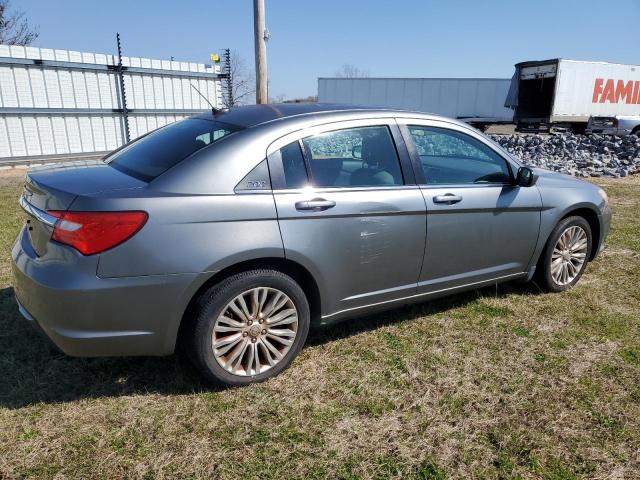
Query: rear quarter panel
[{"x": 190, "y": 233}]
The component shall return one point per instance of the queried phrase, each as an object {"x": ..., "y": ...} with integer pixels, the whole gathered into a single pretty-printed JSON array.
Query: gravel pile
[{"x": 578, "y": 155}]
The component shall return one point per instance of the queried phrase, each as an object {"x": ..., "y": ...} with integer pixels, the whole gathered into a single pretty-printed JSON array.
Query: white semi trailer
[
  {"x": 479, "y": 101},
  {"x": 563, "y": 94}
]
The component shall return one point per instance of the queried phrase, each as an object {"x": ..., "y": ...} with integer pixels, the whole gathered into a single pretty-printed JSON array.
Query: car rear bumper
[{"x": 88, "y": 316}]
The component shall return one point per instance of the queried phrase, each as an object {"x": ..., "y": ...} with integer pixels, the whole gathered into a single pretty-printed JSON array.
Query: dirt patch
[{"x": 11, "y": 176}]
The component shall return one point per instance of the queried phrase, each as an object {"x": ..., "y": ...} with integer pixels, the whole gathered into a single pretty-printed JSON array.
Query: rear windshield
[{"x": 157, "y": 152}]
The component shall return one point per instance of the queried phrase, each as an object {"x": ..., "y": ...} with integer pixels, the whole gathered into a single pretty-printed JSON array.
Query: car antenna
[{"x": 214, "y": 110}]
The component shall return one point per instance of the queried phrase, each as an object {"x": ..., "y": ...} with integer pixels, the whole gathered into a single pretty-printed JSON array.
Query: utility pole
[{"x": 260, "y": 37}]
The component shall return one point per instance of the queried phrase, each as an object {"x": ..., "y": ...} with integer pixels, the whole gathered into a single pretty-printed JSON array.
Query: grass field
[{"x": 491, "y": 384}]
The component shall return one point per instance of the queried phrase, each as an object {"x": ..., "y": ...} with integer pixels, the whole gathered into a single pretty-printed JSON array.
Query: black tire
[
  {"x": 636, "y": 131},
  {"x": 210, "y": 306},
  {"x": 578, "y": 128},
  {"x": 543, "y": 271}
]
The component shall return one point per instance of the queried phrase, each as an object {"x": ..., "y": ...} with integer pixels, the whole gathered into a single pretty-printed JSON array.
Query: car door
[
  {"x": 350, "y": 212},
  {"x": 480, "y": 225}
]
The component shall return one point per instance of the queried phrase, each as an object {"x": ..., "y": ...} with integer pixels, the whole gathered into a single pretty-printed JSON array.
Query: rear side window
[
  {"x": 154, "y": 154},
  {"x": 354, "y": 157}
]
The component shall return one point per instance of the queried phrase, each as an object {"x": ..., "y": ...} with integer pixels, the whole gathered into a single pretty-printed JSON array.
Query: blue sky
[{"x": 310, "y": 39}]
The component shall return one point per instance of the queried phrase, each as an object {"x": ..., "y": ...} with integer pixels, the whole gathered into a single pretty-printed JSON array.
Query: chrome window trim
[
  {"x": 428, "y": 186},
  {"x": 311, "y": 189},
  {"x": 328, "y": 127}
]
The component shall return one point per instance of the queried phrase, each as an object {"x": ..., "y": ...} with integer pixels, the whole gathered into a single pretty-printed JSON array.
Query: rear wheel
[
  {"x": 565, "y": 255},
  {"x": 249, "y": 327}
]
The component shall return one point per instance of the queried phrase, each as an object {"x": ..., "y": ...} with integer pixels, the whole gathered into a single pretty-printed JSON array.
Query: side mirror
[
  {"x": 356, "y": 151},
  {"x": 526, "y": 177}
]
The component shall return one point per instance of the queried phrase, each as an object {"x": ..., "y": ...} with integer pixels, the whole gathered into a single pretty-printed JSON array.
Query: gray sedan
[{"x": 233, "y": 232}]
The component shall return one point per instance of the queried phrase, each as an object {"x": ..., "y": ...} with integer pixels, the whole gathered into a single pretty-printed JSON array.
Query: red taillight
[{"x": 95, "y": 232}]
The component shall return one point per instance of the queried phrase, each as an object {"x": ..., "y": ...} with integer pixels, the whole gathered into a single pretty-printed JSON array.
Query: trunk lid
[{"x": 55, "y": 187}]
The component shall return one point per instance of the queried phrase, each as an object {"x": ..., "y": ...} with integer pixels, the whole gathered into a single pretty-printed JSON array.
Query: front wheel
[
  {"x": 566, "y": 254},
  {"x": 249, "y": 327}
]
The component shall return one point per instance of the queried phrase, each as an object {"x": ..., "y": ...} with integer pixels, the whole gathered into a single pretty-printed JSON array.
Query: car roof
[{"x": 251, "y": 115}]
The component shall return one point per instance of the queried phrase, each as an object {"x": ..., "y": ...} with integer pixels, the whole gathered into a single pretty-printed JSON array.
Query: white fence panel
[{"x": 59, "y": 102}]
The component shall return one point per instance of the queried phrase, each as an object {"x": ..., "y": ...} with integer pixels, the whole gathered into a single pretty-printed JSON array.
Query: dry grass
[{"x": 507, "y": 384}]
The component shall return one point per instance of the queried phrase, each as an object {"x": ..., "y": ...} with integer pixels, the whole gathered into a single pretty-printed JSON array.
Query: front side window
[
  {"x": 354, "y": 157},
  {"x": 154, "y": 154},
  {"x": 451, "y": 157}
]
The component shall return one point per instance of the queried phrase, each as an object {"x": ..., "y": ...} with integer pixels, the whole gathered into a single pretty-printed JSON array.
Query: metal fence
[{"x": 65, "y": 103}]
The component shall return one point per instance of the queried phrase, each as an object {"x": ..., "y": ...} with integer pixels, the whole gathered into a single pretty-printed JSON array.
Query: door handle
[
  {"x": 315, "y": 205},
  {"x": 448, "y": 198}
]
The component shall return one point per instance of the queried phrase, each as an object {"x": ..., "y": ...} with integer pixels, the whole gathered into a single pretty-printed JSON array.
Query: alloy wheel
[
  {"x": 569, "y": 255},
  {"x": 254, "y": 331}
]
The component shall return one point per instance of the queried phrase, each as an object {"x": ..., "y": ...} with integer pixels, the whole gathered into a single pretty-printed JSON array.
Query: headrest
[{"x": 378, "y": 151}]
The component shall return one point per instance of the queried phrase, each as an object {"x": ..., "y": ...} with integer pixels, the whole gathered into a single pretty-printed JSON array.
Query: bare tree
[
  {"x": 309, "y": 99},
  {"x": 280, "y": 98},
  {"x": 241, "y": 86},
  {"x": 14, "y": 28},
  {"x": 349, "y": 70}
]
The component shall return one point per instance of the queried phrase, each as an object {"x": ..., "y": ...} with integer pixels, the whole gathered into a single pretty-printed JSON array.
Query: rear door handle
[
  {"x": 315, "y": 205},
  {"x": 448, "y": 198}
]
